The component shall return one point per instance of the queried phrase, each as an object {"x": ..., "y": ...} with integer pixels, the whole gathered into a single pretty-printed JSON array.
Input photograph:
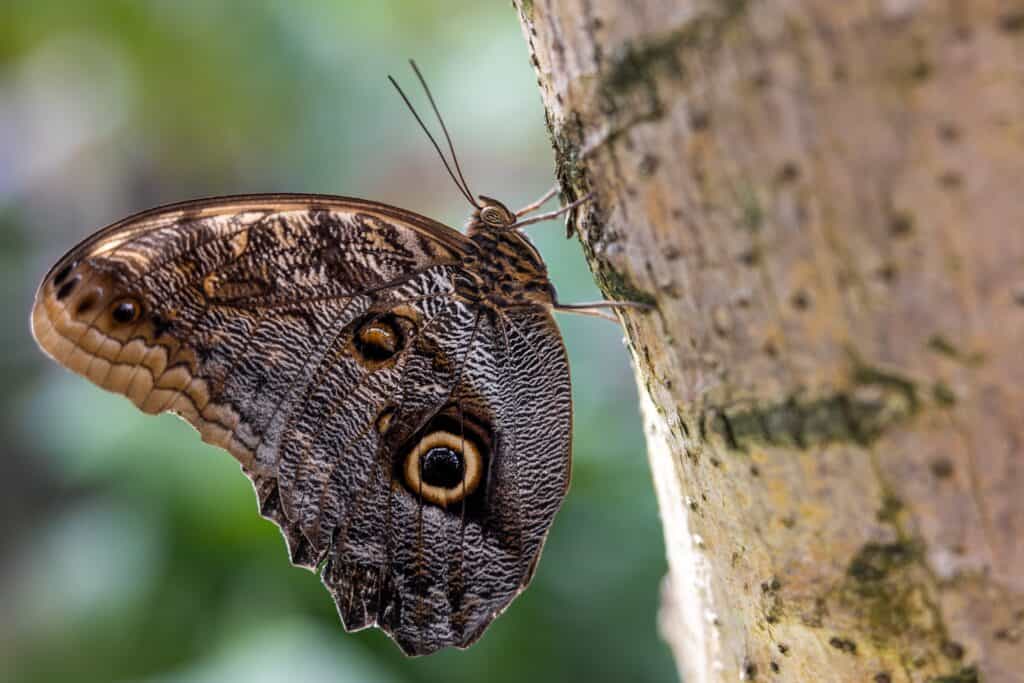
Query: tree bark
[{"x": 822, "y": 199}]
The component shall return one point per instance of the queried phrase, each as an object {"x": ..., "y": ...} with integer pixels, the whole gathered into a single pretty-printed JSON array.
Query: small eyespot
[
  {"x": 87, "y": 302},
  {"x": 68, "y": 287},
  {"x": 383, "y": 422},
  {"x": 125, "y": 311},
  {"x": 63, "y": 273},
  {"x": 379, "y": 339},
  {"x": 443, "y": 468}
]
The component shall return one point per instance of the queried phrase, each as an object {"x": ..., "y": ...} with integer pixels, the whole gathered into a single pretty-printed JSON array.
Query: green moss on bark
[{"x": 874, "y": 402}]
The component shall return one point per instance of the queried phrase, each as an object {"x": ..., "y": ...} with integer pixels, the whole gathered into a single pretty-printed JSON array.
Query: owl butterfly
[{"x": 397, "y": 391}]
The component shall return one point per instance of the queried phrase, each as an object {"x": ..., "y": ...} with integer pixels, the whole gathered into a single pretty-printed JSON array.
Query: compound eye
[{"x": 495, "y": 214}]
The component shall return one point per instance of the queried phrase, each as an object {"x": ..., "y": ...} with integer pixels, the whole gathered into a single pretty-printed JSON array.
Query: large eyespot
[
  {"x": 125, "y": 311},
  {"x": 443, "y": 468}
]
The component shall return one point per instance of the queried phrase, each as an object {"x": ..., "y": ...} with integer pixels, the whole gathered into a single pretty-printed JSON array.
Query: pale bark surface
[{"x": 825, "y": 201}]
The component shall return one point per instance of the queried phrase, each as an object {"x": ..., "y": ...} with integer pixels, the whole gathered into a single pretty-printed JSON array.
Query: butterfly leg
[
  {"x": 552, "y": 214},
  {"x": 590, "y": 308},
  {"x": 594, "y": 308},
  {"x": 533, "y": 206}
]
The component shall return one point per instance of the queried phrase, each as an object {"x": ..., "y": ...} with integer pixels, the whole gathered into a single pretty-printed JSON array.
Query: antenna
[
  {"x": 463, "y": 185},
  {"x": 437, "y": 113}
]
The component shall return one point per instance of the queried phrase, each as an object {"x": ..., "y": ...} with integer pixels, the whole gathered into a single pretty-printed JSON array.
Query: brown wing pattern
[
  {"x": 442, "y": 574},
  {"x": 320, "y": 341}
]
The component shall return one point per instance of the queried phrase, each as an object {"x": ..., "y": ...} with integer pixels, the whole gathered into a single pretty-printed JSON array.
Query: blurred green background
[{"x": 133, "y": 552}]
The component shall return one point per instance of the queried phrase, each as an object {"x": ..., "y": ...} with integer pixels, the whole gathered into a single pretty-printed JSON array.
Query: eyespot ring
[{"x": 442, "y": 443}]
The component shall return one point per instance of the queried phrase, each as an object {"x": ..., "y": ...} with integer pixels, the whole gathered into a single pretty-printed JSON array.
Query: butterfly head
[{"x": 490, "y": 214}]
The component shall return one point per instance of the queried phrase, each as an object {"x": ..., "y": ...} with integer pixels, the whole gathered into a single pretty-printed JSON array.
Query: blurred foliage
[{"x": 132, "y": 550}]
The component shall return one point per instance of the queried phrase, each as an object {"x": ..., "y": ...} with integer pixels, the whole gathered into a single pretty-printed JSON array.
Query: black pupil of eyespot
[
  {"x": 442, "y": 467},
  {"x": 124, "y": 312}
]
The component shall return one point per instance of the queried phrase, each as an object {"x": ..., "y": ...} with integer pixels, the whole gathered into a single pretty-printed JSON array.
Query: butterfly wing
[
  {"x": 444, "y": 573},
  {"x": 323, "y": 342}
]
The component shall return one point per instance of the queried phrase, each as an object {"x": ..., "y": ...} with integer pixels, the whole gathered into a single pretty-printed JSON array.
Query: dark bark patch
[
  {"x": 788, "y": 172},
  {"x": 943, "y": 395},
  {"x": 948, "y": 132},
  {"x": 942, "y": 468},
  {"x": 888, "y": 273},
  {"x": 722, "y": 425},
  {"x": 968, "y": 674},
  {"x": 889, "y": 585},
  {"x": 1012, "y": 22},
  {"x": 953, "y": 649},
  {"x": 921, "y": 71},
  {"x": 901, "y": 224},
  {"x": 941, "y": 344},
  {"x": 876, "y": 401},
  {"x": 762, "y": 79},
  {"x": 951, "y": 180},
  {"x": 1018, "y": 295},
  {"x": 750, "y": 257},
  {"x": 618, "y": 287},
  {"x": 700, "y": 119},
  {"x": 890, "y": 511},
  {"x": 843, "y": 644},
  {"x": 636, "y": 64},
  {"x": 751, "y": 213},
  {"x": 649, "y": 165},
  {"x": 801, "y": 301}
]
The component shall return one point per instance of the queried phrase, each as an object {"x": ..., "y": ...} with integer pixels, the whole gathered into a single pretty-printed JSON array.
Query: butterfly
[{"x": 397, "y": 391}]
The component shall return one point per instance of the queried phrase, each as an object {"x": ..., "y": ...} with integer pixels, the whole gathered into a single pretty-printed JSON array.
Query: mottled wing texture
[{"x": 319, "y": 340}]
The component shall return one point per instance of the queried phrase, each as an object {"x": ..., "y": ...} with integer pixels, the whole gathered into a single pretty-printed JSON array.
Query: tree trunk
[{"x": 823, "y": 200}]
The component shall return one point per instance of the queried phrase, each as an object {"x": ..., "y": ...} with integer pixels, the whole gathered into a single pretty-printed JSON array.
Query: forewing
[
  {"x": 230, "y": 302},
  {"x": 240, "y": 307}
]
